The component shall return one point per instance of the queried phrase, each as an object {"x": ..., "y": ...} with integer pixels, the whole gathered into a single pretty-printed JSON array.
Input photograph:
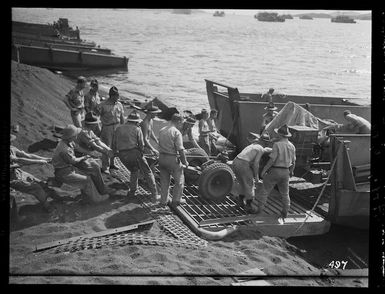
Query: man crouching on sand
[
  {"x": 64, "y": 162},
  {"x": 23, "y": 181}
]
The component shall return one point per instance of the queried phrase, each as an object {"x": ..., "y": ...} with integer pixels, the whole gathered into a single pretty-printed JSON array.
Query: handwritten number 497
[{"x": 338, "y": 264}]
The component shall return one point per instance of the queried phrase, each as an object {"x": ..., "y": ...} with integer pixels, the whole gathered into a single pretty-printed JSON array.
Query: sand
[{"x": 36, "y": 107}]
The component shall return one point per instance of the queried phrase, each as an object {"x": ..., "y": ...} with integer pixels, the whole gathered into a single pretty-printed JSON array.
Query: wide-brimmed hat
[
  {"x": 283, "y": 131},
  {"x": 81, "y": 79},
  {"x": 13, "y": 137},
  {"x": 151, "y": 108},
  {"x": 91, "y": 118},
  {"x": 190, "y": 120},
  {"x": 113, "y": 91},
  {"x": 70, "y": 131},
  {"x": 94, "y": 82},
  {"x": 271, "y": 106},
  {"x": 253, "y": 137},
  {"x": 134, "y": 117}
]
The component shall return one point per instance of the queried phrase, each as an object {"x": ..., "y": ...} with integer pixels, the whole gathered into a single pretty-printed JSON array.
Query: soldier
[
  {"x": 75, "y": 102},
  {"x": 204, "y": 132},
  {"x": 66, "y": 164},
  {"x": 147, "y": 127},
  {"x": 129, "y": 147},
  {"x": 91, "y": 103},
  {"x": 170, "y": 146},
  {"x": 278, "y": 170},
  {"x": 190, "y": 141},
  {"x": 87, "y": 142},
  {"x": 246, "y": 167},
  {"x": 111, "y": 114},
  {"x": 268, "y": 96},
  {"x": 268, "y": 116},
  {"x": 25, "y": 182}
]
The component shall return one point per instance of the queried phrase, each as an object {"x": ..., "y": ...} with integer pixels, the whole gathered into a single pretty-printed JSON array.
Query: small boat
[
  {"x": 287, "y": 16},
  {"x": 270, "y": 17},
  {"x": 343, "y": 19},
  {"x": 219, "y": 13},
  {"x": 305, "y": 16}
]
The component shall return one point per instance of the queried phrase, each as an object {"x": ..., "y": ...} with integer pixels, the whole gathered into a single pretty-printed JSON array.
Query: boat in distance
[{"x": 343, "y": 19}]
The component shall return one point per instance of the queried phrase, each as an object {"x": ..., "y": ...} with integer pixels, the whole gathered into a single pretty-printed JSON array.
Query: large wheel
[
  {"x": 200, "y": 157},
  {"x": 216, "y": 181}
]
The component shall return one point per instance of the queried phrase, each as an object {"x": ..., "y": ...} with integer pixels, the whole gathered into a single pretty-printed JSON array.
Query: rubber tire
[
  {"x": 216, "y": 182},
  {"x": 192, "y": 178}
]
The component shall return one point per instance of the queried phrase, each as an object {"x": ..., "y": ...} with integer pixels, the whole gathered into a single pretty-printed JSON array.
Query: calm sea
[{"x": 170, "y": 55}]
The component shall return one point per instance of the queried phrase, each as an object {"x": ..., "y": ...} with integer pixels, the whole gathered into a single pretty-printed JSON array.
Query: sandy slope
[{"x": 36, "y": 106}]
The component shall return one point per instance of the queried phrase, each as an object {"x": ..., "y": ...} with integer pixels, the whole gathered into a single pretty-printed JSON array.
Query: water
[{"x": 170, "y": 55}]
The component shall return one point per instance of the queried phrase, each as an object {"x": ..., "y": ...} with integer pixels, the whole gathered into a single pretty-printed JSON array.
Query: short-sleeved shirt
[
  {"x": 359, "y": 122},
  {"x": 146, "y": 126},
  {"x": 204, "y": 127},
  {"x": 211, "y": 124},
  {"x": 284, "y": 153},
  {"x": 76, "y": 98},
  {"x": 64, "y": 155},
  {"x": 251, "y": 153},
  {"x": 85, "y": 138},
  {"x": 128, "y": 136},
  {"x": 170, "y": 140},
  {"x": 267, "y": 97},
  {"x": 110, "y": 112},
  {"x": 91, "y": 102}
]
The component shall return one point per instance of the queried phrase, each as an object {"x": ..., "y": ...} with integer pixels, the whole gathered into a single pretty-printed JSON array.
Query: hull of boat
[
  {"x": 240, "y": 113},
  {"x": 59, "y": 59}
]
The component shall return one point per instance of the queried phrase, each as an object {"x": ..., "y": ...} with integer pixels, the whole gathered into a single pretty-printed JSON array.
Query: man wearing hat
[
  {"x": 129, "y": 147},
  {"x": 75, "y": 102},
  {"x": 171, "y": 158},
  {"x": 66, "y": 166},
  {"x": 87, "y": 142},
  {"x": 204, "y": 132},
  {"x": 187, "y": 135},
  {"x": 91, "y": 103},
  {"x": 111, "y": 115},
  {"x": 246, "y": 167},
  {"x": 147, "y": 127},
  {"x": 268, "y": 96},
  {"x": 25, "y": 182},
  {"x": 268, "y": 116},
  {"x": 278, "y": 170}
]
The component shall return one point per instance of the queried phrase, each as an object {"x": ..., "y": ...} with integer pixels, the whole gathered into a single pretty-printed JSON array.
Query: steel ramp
[{"x": 201, "y": 214}]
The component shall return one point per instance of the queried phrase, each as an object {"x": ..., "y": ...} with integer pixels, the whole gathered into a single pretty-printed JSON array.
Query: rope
[{"x": 319, "y": 196}]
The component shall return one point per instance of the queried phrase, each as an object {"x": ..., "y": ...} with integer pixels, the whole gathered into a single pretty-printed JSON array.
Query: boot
[{"x": 241, "y": 201}]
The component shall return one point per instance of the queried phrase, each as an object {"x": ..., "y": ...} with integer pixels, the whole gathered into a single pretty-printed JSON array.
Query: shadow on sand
[{"x": 45, "y": 144}]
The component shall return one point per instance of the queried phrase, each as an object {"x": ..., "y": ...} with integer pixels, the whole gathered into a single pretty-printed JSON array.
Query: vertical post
[{"x": 18, "y": 54}]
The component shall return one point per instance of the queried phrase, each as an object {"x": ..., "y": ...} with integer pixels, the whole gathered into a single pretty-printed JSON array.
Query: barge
[
  {"x": 270, "y": 17},
  {"x": 343, "y": 19},
  {"x": 57, "y": 46}
]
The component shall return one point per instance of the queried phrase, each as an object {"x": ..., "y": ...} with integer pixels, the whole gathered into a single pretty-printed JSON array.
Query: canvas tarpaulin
[{"x": 293, "y": 114}]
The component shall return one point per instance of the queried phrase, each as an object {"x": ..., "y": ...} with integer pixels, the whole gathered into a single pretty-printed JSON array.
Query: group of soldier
[{"x": 99, "y": 126}]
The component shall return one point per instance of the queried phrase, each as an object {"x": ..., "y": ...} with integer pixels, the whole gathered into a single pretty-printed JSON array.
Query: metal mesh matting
[
  {"x": 166, "y": 220},
  {"x": 201, "y": 210}
]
